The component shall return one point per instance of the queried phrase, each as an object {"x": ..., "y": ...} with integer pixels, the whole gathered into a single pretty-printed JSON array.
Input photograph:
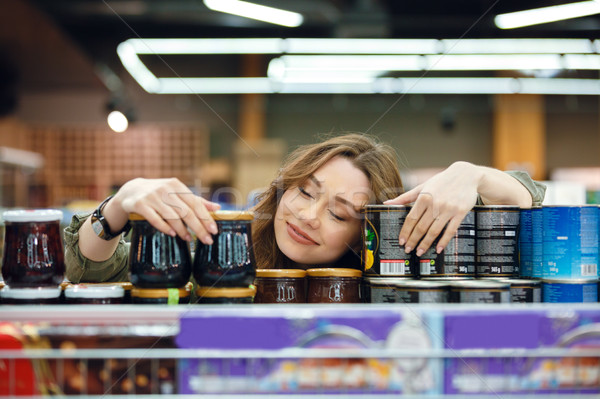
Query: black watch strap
[{"x": 100, "y": 225}]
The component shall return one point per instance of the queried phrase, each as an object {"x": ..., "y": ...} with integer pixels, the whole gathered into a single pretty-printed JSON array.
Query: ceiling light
[
  {"x": 517, "y": 46},
  {"x": 117, "y": 121},
  {"x": 547, "y": 14},
  {"x": 256, "y": 11}
]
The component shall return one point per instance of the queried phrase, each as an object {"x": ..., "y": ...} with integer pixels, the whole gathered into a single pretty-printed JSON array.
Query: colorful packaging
[
  {"x": 516, "y": 333},
  {"x": 272, "y": 329}
]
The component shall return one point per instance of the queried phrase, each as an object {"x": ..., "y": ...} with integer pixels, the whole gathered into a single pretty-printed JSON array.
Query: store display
[
  {"x": 229, "y": 261},
  {"x": 30, "y": 296},
  {"x": 497, "y": 240},
  {"x": 570, "y": 242},
  {"x": 33, "y": 251},
  {"x": 272, "y": 329},
  {"x": 328, "y": 285},
  {"x": 382, "y": 254},
  {"x": 157, "y": 260},
  {"x": 457, "y": 259},
  {"x": 161, "y": 296},
  {"x": 226, "y": 295},
  {"x": 98, "y": 294},
  {"x": 280, "y": 286},
  {"x": 479, "y": 291},
  {"x": 423, "y": 291},
  {"x": 569, "y": 290}
]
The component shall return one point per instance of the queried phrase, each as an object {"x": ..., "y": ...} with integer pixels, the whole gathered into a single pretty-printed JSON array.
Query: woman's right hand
[{"x": 169, "y": 206}]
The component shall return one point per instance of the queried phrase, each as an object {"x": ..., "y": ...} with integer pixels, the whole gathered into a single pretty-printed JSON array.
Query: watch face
[{"x": 97, "y": 227}]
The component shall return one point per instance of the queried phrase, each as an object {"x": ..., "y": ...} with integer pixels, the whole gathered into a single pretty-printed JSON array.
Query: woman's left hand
[{"x": 441, "y": 202}]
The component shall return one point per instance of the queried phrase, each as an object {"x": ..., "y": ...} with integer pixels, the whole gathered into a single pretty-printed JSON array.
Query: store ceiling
[{"x": 93, "y": 29}]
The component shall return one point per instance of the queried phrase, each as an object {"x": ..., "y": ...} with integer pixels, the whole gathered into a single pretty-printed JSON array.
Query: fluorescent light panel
[
  {"x": 255, "y": 11},
  {"x": 547, "y": 14}
]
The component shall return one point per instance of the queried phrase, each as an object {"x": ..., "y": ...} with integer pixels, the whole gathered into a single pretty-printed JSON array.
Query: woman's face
[{"x": 317, "y": 222}]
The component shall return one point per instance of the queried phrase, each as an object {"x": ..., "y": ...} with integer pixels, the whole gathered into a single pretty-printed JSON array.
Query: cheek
[{"x": 344, "y": 236}]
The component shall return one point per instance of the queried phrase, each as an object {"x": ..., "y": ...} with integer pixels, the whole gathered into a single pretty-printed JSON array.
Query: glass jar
[
  {"x": 227, "y": 295},
  {"x": 157, "y": 260},
  {"x": 30, "y": 296},
  {"x": 33, "y": 251},
  {"x": 95, "y": 294},
  {"x": 280, "y": 286},
  {"x": 331, "y": 285},
  {"x": 164, "y": 296},
  {"x": 229, "y": 261}
]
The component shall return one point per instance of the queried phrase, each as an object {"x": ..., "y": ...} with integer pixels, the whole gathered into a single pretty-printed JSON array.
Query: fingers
[
  {"x": 451, "y": 230},
  {"x": 417, "y": 222},
  {"x": 405, "y": 198}
]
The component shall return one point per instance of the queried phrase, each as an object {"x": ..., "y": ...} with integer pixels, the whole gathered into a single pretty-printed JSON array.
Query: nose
[{"x": 310, "y": 215}]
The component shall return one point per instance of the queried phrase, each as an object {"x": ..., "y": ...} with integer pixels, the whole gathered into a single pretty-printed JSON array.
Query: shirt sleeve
[
  {"x": 536, "y": 189},
  {"x": 80, "y": 269}
]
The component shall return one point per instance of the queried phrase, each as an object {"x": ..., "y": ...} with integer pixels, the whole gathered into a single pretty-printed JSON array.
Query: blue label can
[
  {"x": 537, "y": 260},
  {"x": 570, "y": 242},
  {"x": 558, "y": 291}
]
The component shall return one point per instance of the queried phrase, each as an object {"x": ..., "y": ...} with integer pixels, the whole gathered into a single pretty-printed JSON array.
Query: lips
[{"x": 299, "y": 236}]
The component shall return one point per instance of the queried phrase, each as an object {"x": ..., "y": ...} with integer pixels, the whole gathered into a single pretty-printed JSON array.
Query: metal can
[
  {"x": 522, "y": 290},
  {"x": 422, "y": 291},
  {"x": 497, "y": 241},
  {"x": 559, "y": 291},
  {"x": 479, "y": 291},
  {"x": 526, "y": 243},
  {"x": 381, "y": 289},
  {"x": 382, "y": 255},
  {"x": 570, "y": 242},
  {"x": 457, "y": 259}
]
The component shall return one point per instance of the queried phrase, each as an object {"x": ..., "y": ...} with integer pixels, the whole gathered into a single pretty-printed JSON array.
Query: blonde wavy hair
[{"x": 376, "y": 160}]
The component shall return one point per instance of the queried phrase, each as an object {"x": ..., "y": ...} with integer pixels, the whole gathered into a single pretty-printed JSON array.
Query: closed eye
[
  {"x": 341, "y": 219},
  {"x": 305, "y": 193}
]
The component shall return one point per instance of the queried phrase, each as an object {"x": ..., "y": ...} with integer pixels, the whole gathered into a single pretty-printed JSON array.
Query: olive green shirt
[{"x": 81, "y": 269}]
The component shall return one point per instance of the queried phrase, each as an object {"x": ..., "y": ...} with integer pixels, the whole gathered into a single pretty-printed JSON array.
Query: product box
[
  {"x": 265, "y": 330},
  {"x": 520, "y": 333}
]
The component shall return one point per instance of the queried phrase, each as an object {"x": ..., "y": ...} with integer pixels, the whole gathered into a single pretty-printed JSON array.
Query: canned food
[
  {"x": 497, "y": 241},
  {"x": 422, "y": 291},
  {"x": 382, "y": 254},
  {"x": 570, "y": 242},
  {"x": 522, "y": 290},
  {"x": 457, "y": 259},
  {"x": 280, "y": 286},
  {"x": 381, "y": 289},
  {"x": 479, "y": 291},
  {"x": 329, "y": 285},
  {"x": 559, "y": 291}
]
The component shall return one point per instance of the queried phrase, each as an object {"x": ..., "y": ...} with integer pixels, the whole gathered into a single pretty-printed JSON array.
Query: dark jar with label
[
  {"x": 157, "y": 260},
  {"x": 228, "y": 295},
  {"x": 331, "y": 285},
  {"x": 280, "y": 286},
  {"x": 165, "y": 296},
  {"x": 30, "y": 296},
  {"x": 96, "y": 294},
  {"x": 229, "y": 261},
  {"x": 33, "y": 251}
]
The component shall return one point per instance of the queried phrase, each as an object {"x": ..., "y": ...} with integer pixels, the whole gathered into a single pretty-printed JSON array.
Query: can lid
[
  {"x": 32, "y": 215},
  {"x": 184, "y": 292},
  {"x": 291, "y": 273},
  {"x": 30, "y": 293},
  {"x": 382, "y": 207},
  {"x": 422, "y": 284},
  {"x": 228, "y": 292},
  {"x": 480, "y": 284},
  {"x": 333, "y": 272},
  {"x": 497, "y": 207},
  {"x": 567, "y": 281},
  {"x": 232, "y": 215},
  {"x": 387, "y": 281},
  {"x": 94, "y": 291},
  {"x": 514, "y": 282}
]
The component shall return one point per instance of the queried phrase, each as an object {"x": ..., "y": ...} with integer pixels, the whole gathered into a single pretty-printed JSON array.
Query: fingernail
[
  {"x": 407, "y": 249},
  {"x": 420, "y": 252},
  {"x": 208, "y": 240},
  {"x": 172, "y": 233},
  {"x": 402, "y": 241},
  {"x": 439, "y": 249},
  {"x": 213, "y": 228}
]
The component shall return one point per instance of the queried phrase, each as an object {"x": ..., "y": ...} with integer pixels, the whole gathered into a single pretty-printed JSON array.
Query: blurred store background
[{"x": 60, "y": 77}]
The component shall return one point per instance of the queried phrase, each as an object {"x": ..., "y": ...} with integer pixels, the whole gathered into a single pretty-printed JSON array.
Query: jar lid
[
  {"x": 94, "y": 291},
  {"x": 30, "y": 293},
  {"x": 334, "y": 272},
  {"x": 232, "y": 215},
  {"x": 136, "y": 216},
  {"x": 234, "y": 292},
  {"x": 291, "y": 273},
  {"x": 32, "y": 215},
  {"x": 126, "y": 285},
  {"x": 184, "y": 292}
]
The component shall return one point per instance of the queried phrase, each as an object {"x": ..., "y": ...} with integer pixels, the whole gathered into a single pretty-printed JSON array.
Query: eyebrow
[{"x": 355, "y": 208}]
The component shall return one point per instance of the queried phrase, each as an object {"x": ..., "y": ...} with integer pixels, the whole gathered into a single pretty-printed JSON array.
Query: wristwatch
[{"x": 100, "y": 225}]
